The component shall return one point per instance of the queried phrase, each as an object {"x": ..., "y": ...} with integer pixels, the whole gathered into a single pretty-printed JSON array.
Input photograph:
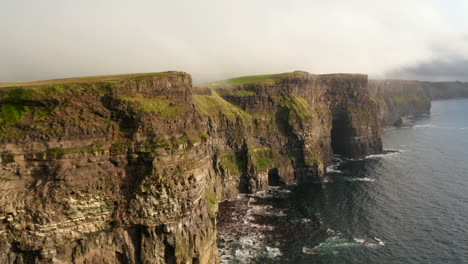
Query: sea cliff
[
  {"x": 398, "y": 98},
  {"x": 131, "y": 168},
  {"x": 445, "y": 90}
]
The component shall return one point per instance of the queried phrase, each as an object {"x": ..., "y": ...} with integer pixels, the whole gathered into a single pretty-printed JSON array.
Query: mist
[{"x": 213, "y": 39}]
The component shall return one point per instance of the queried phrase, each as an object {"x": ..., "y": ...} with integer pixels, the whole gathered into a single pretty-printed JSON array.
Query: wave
[
  {"x": 338, "y": 160},
  {"x": 386, "y": 153},
  {"x": 423, "y": 126},
  {"x": 335, "y": 243},
  {"x": 333, "y": 169},
  {"x": 252, "y": 242},
  {"x": 365, "y": 179}
]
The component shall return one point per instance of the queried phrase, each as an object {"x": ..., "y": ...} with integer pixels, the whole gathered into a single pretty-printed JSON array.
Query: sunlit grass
[{"x": 86, "y": 79}]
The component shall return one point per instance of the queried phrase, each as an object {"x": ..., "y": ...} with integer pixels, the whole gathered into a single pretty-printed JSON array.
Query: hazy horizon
[{"x": 214, "y": 40}]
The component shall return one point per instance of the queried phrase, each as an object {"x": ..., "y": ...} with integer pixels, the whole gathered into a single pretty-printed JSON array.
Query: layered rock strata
[{"x": 130, "y": 169}]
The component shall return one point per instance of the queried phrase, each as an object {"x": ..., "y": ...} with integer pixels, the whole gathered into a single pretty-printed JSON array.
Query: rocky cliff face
[
  {"x": 130, "y": 169},
  {"x": 397, "y": 98},
  {"x": 445, "y": 90}
]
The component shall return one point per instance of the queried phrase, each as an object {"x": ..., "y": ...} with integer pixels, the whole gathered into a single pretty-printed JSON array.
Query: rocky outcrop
[
  {"x": 130, "y": 169},
  {"x": 398, "y": 98},
  {"x": 445, "y": 90}
]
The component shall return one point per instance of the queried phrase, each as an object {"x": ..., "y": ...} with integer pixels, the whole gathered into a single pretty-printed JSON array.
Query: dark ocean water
[{"x": 410, "y": 206}]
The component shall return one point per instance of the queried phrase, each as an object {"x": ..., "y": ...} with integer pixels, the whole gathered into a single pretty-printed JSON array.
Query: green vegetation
[
  {"x": 121, "y": 145},
  {"x": 204, "y": 137},
  {"x": 153, "y": 105},
  {"x": 245, "y": 82},
  {"x": 5, "y": 179},
  {"x": 41, "y": 114},
  {"x": 211, "y": 200},
  {"x": 215, "y": 105},
  {"x": 298, "y": 105},
  {"x": 93, "y": 148},
  {"x": 20, "y": 94},
  {"x": 232, "y": 163},
  {"x": 264, "y": 159},
  {"x": 377, "y": 100},
  {"x": 161, "y": 142},
  {"x": 265, "y": 78},
  {"x": 239, "y": 92},
  {"x": 313, "y": 160},
  {"x": 365, "y": 110},
  {"x": 88, "y": 79},
  {"x": 11, "y": 114}
]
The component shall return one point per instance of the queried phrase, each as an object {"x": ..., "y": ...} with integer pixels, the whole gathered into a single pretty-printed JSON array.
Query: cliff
[
  {"x": 445, "y": 90},
  {"x": 130, "y": 168},
  {"x": 398, "y": 98}
]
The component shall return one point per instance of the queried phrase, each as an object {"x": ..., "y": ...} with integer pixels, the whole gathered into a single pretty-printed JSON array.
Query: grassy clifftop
[
  {"x": 28, "y": 108},
  {"x": 245, "y": 80},
  {"x": 86, "y": 79}
]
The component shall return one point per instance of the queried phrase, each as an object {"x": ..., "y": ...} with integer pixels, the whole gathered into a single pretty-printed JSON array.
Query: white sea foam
[
  {"x": 333, "y": 169},
  {"x": 388, "y": 153},
  {"x": 359, "y": 240},
  {"x": 331, "y": 245},
  {"x": 423, "y": 126},
  {"x": 335, "y": 243},
  {"x": 252, "y": 244},
  {"x": 380, "y": 242},
  {"x": 365, "y": 179}
]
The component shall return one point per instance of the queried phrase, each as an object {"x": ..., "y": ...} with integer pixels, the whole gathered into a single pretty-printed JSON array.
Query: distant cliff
[
  {"x": 445, "y": 90},
  {"x": 130, "y": 168},
  {"x": 398, "y": 98}
]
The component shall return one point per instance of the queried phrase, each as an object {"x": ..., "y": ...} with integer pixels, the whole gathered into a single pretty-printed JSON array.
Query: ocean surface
[{"x": 407, "y": 206}]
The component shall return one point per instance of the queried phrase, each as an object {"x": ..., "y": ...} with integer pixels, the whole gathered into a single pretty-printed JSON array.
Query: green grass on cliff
[
  {"x": 298, "y": 105},
  {"x": 15, "y": 92},
  {"x": 262, "y": 159},
  {"x": 87, "y": 79},
  {"x": 401, "y": 100},
  {"x": 264, "y": 79},
  {"x": 154, "y": 105},
  {"x": 211, "y": 201},
  {"x": 11, "y": 114},
  {"x": 253, "y": 78},
  {"x": 215, "y": 105}
]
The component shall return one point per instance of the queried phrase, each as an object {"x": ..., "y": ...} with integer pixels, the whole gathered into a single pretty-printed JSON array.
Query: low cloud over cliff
[
  {"x": 215, "y": 39},
  {"x": 435, "y": 70}
]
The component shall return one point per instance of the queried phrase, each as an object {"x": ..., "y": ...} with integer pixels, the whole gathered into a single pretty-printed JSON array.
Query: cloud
[
  {"x": 449, "y": 62},
  {"x": 216, "y": 39},
  {"x": 436, "y": 70}
]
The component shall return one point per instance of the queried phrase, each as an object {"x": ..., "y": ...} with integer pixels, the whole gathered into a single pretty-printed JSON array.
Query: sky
[{"x": 218, "y": 39}]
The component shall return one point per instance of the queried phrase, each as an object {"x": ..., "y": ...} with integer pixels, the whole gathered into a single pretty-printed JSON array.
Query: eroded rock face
[
  {"x": 398, "y": 98},
  {"x": 293, "y": 123},
  {"x": 131, "y": 171}
]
